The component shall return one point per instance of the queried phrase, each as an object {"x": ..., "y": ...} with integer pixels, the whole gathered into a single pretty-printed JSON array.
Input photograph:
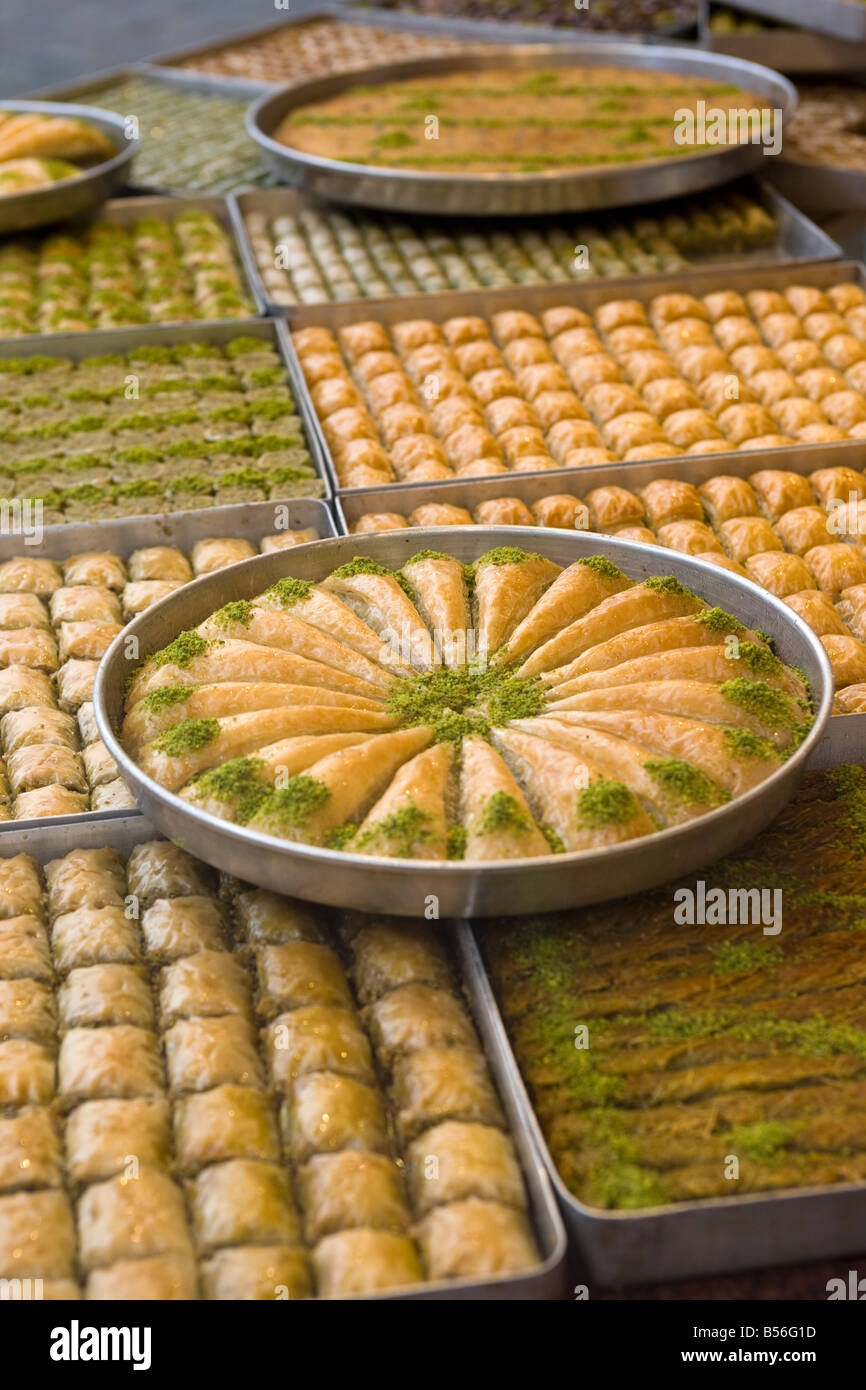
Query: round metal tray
[
  {"x": 497, "y": 194},
  {"x": 72, "y": 197},
  {"x": 453, "y": 889}
]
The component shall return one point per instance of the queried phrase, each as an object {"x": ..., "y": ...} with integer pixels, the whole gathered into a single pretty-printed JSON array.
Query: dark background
[{"x": 49, "y": 42}]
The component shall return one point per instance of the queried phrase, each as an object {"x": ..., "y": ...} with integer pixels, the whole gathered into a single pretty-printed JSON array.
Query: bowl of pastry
[
  {"x": 58, "y": 161},
  {"x": 477, "y": 721}
]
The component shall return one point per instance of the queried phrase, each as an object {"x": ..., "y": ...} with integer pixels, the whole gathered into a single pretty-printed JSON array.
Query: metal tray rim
[
  {"x": 424, "y": 191},
  {"x": 838, "y": 17},
  {"x": 455, "y": 879},
  {"x": 103, "y": 176},
  {"x": 584, "y": 295},
  {"x": 125, "y": 210},
  {"x": 596, "y": 1226},
  {"x": 495, "y": 32},
  {"x": 77, "y": 345},
  {"x": 789, "y": 216}
]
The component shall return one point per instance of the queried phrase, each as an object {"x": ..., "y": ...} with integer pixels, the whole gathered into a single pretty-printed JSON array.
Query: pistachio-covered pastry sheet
[{"x": 661, "y": 1038}]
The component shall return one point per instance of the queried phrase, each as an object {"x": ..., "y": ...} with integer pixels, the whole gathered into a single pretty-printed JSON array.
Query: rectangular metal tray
[
  {"x": 122, "y": 832},
  {"x": 788, "y": 50},
  {"x": 588, "y": 296},
  {"x": 846, "y": 19},
  {"x": 681, "y": 1241},
  {"x": 799, "y": 239},
  {"x": 125, "y": 211},
  {"x": 250, "y": 521},
  {"x": 78, "y": 345},
  {"x": 823, "y": 189},
  {"x": 434, "y": 26},
  {"x": 845, "y": 739}
]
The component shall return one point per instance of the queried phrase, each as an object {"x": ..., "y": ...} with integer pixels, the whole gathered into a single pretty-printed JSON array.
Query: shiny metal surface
[
  {"x": 497, "y": 194},
  {"x": 844, "y": 18},
  {"x": 680, "y": 1241},
  {"x": 51, "y": 840},
  {"x": 459, "y": 889},
  {"x": 799, "y": 239},
  {"x": 435, "y": 26},
  {"x": 250, "y": 521},
  {"x": 588, "y": 296},
  {"x": 78, "y": 345},
  {"x": 791, "y": 51},
  {"x": 822, "y": 188},
  {"x": 72, "y": 197}
]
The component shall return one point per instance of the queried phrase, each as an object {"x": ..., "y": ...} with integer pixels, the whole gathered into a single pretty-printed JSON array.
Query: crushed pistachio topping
[
  {"x": 667, "y": 584},
  {"x": 600, "y": 564},
  {"x": 360, "y": 565},
  {"x": 605, "y": 802},
  {"x": 758, "y": 659},
  {"x": 717, "y": 620},
  {"x": 184, "y": 649},
  {"x": 455, "y": 842},
  {"x": 189, "y": 736},
  {"x": 468, "y": 700},
  {"x": 503, "y": 812},
  {"x": 340, "y": 836},
  {"x": 297, "y": 801},
  {"x": 239, "y": 782},
  {"x": 400, "y": 833},
  {"x": 770, "y": 706},
  {"x": 165, "y": 696},
  {"x": 240, "y": 610},
  {"x": 288, "y": 591},
  {"x": 687, "y": 783},
  {"x": 740, "y": 743},
  {"x": 552, "y": 839},
  {"x": 505, "y": 555}
]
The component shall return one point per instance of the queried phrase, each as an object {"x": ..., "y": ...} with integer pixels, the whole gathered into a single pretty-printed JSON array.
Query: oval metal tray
[
  {"x": 70, "y": 197},
  {"x": 497, "y": 194},
  {"x": 453, "y": 889}
]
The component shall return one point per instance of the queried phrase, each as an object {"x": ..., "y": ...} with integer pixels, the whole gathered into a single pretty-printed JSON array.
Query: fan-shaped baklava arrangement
[
  {"x": 420, "y": 401},
  {"x": 798, "y": 536},
  {"x": 503, "y": 710},
  {"x": 229, "y": 1095}
]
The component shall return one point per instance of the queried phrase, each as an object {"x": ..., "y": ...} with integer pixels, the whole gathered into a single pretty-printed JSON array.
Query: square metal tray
[
  {"x": 799, "y": 239},
  {"x": 789, "y": 50},
  {"x": 474, "y": 31},
  {"x": 78, "y": 345},
  {"x": 125, "y": 211},
  {"x": 251, "y": 521},
  {"x": 823, "y": 189},
  {"x": 588, "y": 296},
  {"x": 122, "y": 832},
  {"x": 846, "y": 19},
  {"x": 688, "y": 1239}
]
